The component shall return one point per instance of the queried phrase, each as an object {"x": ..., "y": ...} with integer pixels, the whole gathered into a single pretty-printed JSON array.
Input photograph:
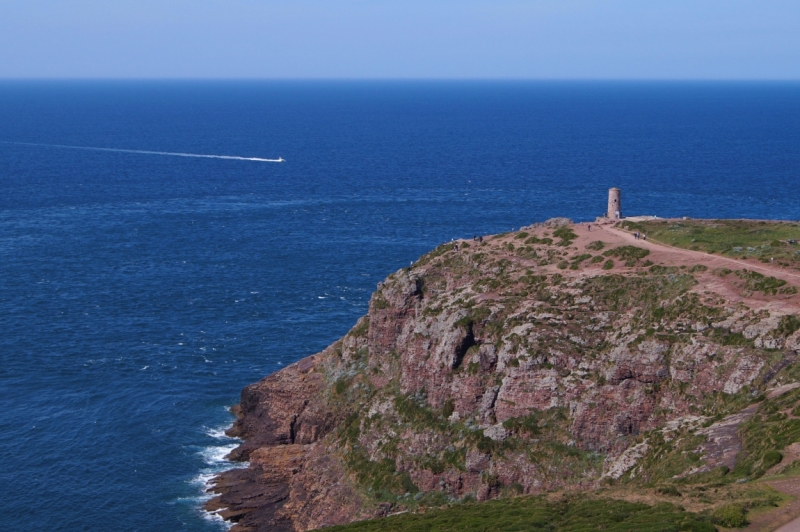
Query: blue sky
[{"x": 546, "y": 39}]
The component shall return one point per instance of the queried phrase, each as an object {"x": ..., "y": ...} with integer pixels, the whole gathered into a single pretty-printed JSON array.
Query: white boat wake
[{"x": 148, "y": 152}]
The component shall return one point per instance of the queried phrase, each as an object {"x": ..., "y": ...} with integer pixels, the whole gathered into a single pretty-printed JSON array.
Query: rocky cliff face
[{"x": 530, "y": 361}]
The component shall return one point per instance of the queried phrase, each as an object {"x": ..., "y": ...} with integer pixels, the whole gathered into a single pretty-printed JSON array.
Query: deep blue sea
[{"x": 140, "y": 292}]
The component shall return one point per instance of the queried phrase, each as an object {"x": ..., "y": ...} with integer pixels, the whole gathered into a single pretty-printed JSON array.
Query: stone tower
[{"x": 614, "y": 203}]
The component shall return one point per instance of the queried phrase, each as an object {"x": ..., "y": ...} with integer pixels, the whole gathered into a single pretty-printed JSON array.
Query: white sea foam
[
  {"x": 216, "y": 518},
  {"x": 214, "y": 457},
  {"x": 219, "y": 434},
  {"x": 149, "y": 152}
]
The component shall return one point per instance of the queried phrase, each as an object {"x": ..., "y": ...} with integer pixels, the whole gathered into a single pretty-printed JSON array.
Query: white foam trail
[{"x": 148, "y": 152}]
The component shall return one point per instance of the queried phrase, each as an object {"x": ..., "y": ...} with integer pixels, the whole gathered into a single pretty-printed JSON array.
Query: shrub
[
  {"x": 771, "y": 458},
  {"x": 360, "y": 329},
  {"x": 448, "y": 408},
  {"x": 660, "y": 269},
  {"x": 528, "y": 425},
  {"x": 565, "y": 233},
  {"x": 597, "y": 245},
  {"x": 627, "y": 253},
  {"x": 476, "y": 315},
  {"x": 609, "y": 264},
  {"x": 576, "y": 261},
  {"x": 379, "y": 303},
  {"x": 515, "y": 488},
  {"x": 760, "y": 283},
  {"x": 341, "y": 385},
  {"x": 730, "y": 516},
  {"x": 788, "y": 325},
  {"x": 672, "y": 491}
]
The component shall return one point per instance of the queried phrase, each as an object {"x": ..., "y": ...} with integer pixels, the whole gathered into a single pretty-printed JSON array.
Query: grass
[
  {"x": 770, "y": 431},
  {"x": 629, "y": 254},
  {"x": 361, "y": 329},
  {"x": 566, "y": 234},
  {"x": 732, "y": 238},
  {"x": 576, "y": 261},
  {"x": 731, "y": 516},
  {"x": 618, "y": 292},
  {"x": 757, "y": 282},
  {"x": 535, "y": 514}
]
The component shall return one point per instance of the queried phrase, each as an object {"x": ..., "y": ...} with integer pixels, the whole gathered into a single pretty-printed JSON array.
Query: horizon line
[{"x": 387, "y": 79}]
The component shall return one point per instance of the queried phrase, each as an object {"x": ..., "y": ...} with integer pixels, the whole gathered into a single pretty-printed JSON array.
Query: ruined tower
[{"x": 614, "y": 203}]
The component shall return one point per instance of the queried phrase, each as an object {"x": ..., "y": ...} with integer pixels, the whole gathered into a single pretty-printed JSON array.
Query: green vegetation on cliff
[
  {"x": 732, "y": 238},
  {"x": 535, "y": 514}
]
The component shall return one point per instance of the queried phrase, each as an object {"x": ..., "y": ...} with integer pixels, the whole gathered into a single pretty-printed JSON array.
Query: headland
[{"x": 552, "y": 374}]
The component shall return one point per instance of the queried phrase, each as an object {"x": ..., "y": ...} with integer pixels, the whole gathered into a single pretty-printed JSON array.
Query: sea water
[{"x": 139, "y": 292}]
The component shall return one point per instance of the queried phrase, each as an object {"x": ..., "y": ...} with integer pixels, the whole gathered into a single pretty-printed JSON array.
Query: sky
[{"x": 356, "y": 39}]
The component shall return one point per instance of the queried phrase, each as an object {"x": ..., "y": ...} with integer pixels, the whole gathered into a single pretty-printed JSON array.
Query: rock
[
  {"x": 496, "y": 432},
  {"x": 624, "y": 462}
]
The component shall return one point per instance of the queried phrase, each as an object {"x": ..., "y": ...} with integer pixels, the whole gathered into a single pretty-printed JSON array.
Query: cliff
[{"x": 550, "y": 358}]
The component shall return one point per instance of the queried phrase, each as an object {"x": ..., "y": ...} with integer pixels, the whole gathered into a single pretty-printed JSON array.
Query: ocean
[{"x": 139, "y": 292}]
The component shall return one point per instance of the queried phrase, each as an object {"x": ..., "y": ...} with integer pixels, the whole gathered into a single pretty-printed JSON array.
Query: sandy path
[{"x": 793, "y": 526}]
